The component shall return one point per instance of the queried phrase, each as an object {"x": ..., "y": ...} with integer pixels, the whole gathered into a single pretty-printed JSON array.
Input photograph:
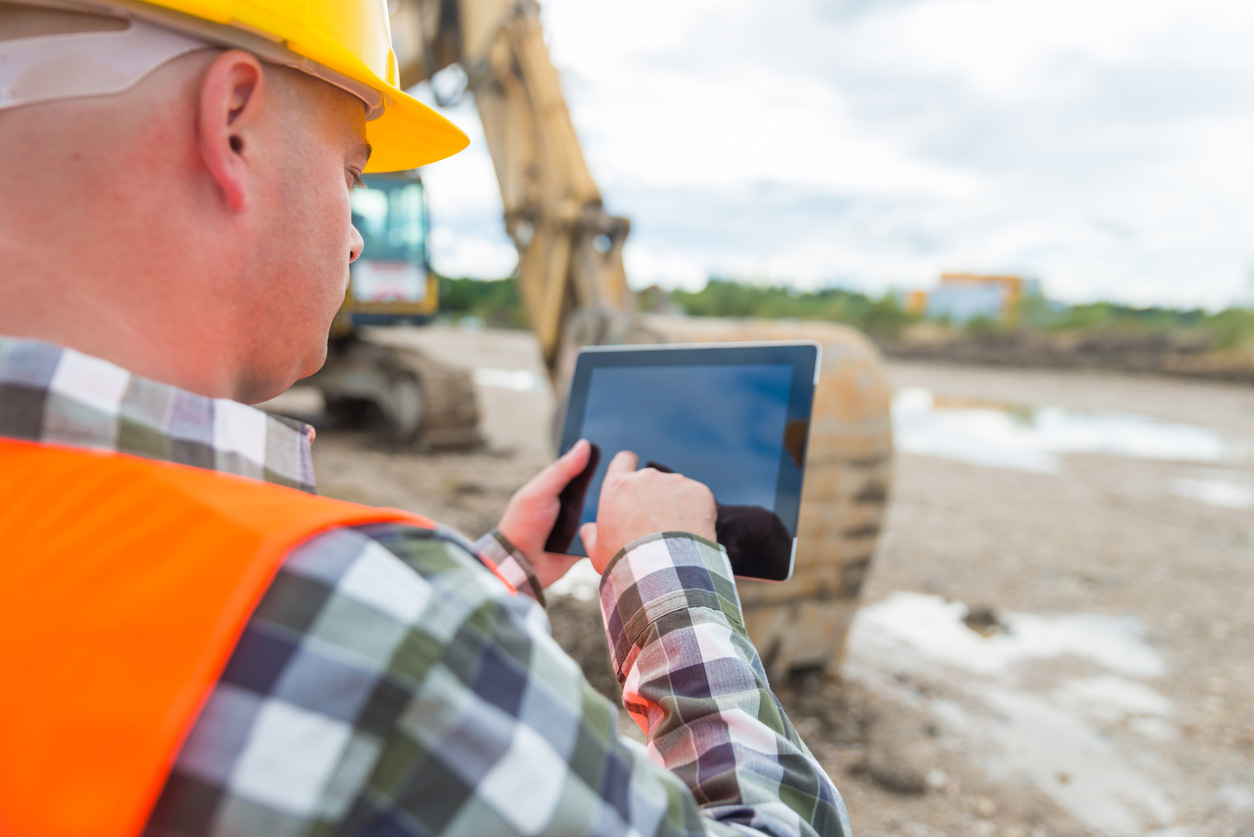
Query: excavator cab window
[{"x": 391, "y": 215}]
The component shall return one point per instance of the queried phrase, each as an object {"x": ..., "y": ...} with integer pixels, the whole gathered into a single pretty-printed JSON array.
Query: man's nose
[{"x": 355, "y": 245}]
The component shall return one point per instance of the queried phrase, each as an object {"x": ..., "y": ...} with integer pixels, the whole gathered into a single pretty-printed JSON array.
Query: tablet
[{"x": 732, "y": 416}]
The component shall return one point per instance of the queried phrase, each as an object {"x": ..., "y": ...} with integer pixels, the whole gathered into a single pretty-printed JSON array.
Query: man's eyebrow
[{"x": 365, "y": 150}]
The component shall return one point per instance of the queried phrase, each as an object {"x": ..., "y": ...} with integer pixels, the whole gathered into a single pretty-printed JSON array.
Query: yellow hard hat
[{"x": 349, "y": 38}]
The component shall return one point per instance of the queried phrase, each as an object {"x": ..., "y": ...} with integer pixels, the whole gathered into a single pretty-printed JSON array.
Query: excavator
[
  {"x": 419, "y": 401},
  {"x": 572, "y": 279}
]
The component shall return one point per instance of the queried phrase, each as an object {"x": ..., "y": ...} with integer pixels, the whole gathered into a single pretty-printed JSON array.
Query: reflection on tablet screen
[{"x": 723, "y": 425}]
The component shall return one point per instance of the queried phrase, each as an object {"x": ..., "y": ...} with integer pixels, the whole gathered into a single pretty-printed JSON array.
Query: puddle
[
  {"x": 1036, "y": 438},
  {"x": 1071, "y": 760},
  {"x": 1084, "y": 740},
  {"x": 1114, "y": 698},
  {"x": 930, "y": 630},
  {"x": 1218, "y": 490},
  {"x": 517, "y": 380},
  {"x": 1237, "y": 797}
]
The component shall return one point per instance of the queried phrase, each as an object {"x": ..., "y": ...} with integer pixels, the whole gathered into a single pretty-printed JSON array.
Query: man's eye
[{"x": 355, "y": 181}]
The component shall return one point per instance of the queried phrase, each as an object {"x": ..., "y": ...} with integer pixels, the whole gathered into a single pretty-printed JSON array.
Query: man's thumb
[{"x": 588, "y": 533}]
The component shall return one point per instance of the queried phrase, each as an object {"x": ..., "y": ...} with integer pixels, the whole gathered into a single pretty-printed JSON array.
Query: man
[{"x": 194, "y": 643}]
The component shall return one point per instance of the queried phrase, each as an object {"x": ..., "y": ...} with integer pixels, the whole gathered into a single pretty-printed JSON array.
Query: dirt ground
[{"x": 1064, "y": 647}]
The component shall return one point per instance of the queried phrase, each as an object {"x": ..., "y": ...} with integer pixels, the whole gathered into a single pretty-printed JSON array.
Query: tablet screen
[{"x": 731, "y": 417}]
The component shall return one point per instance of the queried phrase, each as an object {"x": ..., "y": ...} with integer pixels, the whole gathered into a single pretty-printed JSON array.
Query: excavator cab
[
  {"x": 392, "y": 282},
  {"x": 373, "y": 377}
]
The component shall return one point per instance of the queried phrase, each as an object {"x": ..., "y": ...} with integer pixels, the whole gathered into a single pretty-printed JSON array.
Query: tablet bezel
[{"x": 805, "y": 357}]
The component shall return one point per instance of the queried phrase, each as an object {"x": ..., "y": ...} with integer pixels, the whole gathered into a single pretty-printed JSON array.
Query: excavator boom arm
[{"x": 570, "y": 251}]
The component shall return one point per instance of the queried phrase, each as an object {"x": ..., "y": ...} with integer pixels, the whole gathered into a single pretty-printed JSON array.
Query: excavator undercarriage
[{"x": 416, "y": 399}]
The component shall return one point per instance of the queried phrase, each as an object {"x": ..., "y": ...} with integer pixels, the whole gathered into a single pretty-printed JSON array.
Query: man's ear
[{"x": 232, "y": 97}]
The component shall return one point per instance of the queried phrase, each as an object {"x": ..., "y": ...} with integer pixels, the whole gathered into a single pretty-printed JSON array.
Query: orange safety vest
[{"x": 124, "y": 587}]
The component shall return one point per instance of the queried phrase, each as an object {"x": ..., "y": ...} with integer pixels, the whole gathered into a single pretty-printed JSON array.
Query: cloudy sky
[{"x": 1104, "y": 146}]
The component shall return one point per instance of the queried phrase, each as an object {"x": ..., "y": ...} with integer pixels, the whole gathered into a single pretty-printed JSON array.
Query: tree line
[{"x": 497, "y": 303}]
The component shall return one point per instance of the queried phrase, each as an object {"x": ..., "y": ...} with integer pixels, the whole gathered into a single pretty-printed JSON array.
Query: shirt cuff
[
  {"x": 658, "y": 575},
  {"x": 511, "y": 564}
]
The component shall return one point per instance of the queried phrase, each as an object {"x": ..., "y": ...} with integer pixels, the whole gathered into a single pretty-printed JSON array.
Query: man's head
[{"x": 193, "y": 227}]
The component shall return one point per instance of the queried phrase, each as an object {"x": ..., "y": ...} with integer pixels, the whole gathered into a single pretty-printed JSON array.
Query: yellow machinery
[
  {"x": 573, "y": 283},
  {"x": 1009, "y": 293},
  {"x": 1014, "y": 288},
  {"x": 421, "y": 401}
]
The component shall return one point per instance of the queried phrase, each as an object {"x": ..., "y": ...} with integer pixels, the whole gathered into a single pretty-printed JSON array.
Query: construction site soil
[
  {"x": 1056, "y": 637},
  {"x": 1176, "y": 355}
]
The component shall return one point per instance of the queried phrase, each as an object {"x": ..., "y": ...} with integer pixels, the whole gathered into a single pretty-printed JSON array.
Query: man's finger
[
  {"x": 624, "y": 462},
  {"x": 564, "y": 469},
  {"x": 588, "y": 533},
  {"x": 569, "y": 464}
]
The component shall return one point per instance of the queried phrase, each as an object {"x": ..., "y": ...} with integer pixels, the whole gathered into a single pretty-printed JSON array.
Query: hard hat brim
[{"x": 409, "y": 134}]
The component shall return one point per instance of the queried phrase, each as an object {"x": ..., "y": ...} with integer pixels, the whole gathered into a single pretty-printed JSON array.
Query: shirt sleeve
[
  {"x": 388, "y": 684},
  {"x": 511, "y": 563},
  {"x": 693, "y": 682}
]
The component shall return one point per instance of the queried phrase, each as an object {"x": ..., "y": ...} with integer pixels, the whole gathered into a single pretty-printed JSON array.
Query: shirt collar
[{"x": 56, "y": 395}]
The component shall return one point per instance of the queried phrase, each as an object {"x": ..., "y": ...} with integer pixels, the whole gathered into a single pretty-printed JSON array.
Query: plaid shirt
[{"x": 388, "y": 685}]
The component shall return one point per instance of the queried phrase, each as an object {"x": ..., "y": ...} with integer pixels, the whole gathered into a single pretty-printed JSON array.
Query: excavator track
[
  {"x": 450, "y": 405},
  {"x": 422, "y": 403}
]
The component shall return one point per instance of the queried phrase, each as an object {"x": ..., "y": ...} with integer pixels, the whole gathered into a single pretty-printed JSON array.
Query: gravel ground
[{"x": 1065, "y": 651}]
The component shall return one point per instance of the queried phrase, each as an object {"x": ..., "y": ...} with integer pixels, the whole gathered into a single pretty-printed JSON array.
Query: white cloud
[
  {"x": 1013, "y": 50},
  {"x": 455, "y": 253},
  {"x": 1101, "y": 145},
  {"x": 647, "y": 266}
]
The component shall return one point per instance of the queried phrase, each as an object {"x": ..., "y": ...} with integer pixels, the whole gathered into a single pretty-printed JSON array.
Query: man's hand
[
  {"x": 638, "y": 503},
  {"x": 533, "y": 509}
]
